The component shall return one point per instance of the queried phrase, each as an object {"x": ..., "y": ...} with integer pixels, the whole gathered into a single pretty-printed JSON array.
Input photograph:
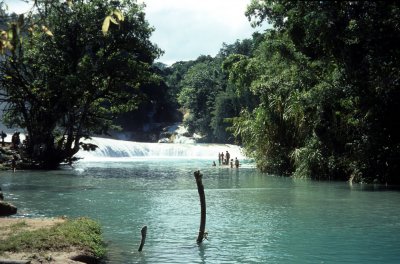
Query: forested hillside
[{"x": 316, "y": 96}]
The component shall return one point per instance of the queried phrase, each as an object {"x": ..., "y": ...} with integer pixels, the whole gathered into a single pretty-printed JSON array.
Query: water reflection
[{"x": 202, "y": 253}]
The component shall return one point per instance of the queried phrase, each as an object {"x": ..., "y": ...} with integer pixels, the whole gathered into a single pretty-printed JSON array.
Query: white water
[
  {"x": 180, "y": 131},
  {"x": 111, "y": 149}
]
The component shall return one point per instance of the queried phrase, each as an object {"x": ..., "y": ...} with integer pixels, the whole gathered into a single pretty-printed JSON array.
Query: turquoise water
[{"x": 251, "y": 217}]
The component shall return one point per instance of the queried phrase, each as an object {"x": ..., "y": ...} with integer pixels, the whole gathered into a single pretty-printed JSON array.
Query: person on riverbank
[
  {"x": 3, "y": 136},
  {"x": 222, "y": 158},
  {"x": 219, "y": 158}
]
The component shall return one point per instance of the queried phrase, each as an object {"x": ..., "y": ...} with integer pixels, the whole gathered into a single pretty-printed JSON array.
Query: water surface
[{"x": 251, "y": 217}]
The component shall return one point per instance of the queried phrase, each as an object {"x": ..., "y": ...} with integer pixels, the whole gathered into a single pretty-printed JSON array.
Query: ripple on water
[{"x": 251, "y": 217}]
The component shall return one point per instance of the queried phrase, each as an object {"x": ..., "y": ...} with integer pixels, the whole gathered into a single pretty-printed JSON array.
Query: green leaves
[
  {"x": 200, "y": 87},
  {"x": 325, "y": 76},
  {"x": 115, "y": 17},
  {"x": 70, "y": 81}
]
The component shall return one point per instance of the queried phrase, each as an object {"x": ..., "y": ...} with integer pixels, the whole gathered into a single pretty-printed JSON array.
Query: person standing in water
[
  {"x": 227, "y": 156},
  {"x": 14, "y": 163},
  {"x": 236, "y": 162}
]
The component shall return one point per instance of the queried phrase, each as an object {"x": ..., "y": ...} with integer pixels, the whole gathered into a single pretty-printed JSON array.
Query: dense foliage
[
  {"x": 157, "y": 108},
  {"x": 327, "y": 78},
  {"x": 69, "y": 78},
  {"x": 315, "y": 96},
  {"x": 204, "y": 94}
]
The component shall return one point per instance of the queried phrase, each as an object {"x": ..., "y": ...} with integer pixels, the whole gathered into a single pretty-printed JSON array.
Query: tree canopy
[
  {"x": 315, "y": 96},
  {"x": 327, "y": 76},
  {"x": 67, "y": 77}
]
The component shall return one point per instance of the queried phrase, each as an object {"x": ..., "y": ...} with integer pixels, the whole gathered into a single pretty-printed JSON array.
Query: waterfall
[{"x": 111, "y": 148}]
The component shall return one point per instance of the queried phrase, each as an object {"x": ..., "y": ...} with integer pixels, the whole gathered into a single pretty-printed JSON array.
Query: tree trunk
[
  {"x": 144, "y": 234},
  {"x": 200, "y": 189}
]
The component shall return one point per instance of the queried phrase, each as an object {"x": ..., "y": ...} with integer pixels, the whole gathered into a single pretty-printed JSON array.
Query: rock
[
  {"x": 163, "y": 140},
  {"x": 15, "y": 261},
  {"x": 84, "y": 258},
  {"x": 7, "y": 209},
  {"x": 187, "y": 134},
  {"x": 166, "y": 134}
]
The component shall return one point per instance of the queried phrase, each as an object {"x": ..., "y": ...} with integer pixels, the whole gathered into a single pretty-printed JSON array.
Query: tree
[
  {"x": 205, "y": 93},
  {"x": 355, "y": 131},
  {"x": 158, "y": 107},
  {"x": 69, "y": 78},
  {"x": 200, "y": 86},
  {"x": 277, "y": 76},
  {"x": 226, "y": 106}
]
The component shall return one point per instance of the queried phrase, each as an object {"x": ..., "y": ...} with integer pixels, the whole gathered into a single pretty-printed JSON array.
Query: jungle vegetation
[
  {"x": 316, "y": 95},
  {"x": 63, "y": 79}
]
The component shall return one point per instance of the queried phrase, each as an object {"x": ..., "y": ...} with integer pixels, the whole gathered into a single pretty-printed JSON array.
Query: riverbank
[
  {"x": 51, "y": 240},
  {"x": 7, "y": 155}
]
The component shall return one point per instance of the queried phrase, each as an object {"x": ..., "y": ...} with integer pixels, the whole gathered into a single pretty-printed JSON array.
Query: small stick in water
[{"x": 144, "y": 233}]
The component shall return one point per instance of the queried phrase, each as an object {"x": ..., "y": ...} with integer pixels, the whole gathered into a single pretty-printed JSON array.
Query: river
[{"x": 251, "y": 217}]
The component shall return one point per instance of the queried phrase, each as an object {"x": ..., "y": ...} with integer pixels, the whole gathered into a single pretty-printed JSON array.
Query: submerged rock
[
  {"x": 163, "y": 140},
  {"x": 7, "y": 209},
  {"x": 178, "y": 133}
]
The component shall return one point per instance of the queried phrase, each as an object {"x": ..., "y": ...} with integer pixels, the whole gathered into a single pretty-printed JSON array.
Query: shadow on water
[{"x": 374, "y": 187}]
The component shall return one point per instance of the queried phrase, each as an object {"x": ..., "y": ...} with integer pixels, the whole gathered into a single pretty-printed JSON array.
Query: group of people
[{"x": 225, "y": 159}]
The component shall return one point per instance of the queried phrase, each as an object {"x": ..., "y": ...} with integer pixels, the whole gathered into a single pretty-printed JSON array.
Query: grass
[
  {"x": 15, "y": 227},
  {"x": 81, "y": 233},
  {"x": 12, "y": 229}
]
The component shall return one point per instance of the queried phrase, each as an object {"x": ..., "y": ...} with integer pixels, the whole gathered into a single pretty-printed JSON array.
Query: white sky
[{"x": 186, "y": 29}]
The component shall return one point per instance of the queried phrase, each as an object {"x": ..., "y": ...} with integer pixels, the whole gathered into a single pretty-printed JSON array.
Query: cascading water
[{"x": 111, "y": 148}]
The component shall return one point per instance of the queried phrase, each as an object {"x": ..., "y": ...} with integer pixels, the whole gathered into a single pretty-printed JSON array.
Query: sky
[{"x": 186, "y": 29}]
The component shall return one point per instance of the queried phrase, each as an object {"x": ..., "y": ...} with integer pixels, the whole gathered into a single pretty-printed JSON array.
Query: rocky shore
[
  {"x": 6, "y": 208},
  {"x": 44, "y": 240},
  {"x": 8, "y": 155}
]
